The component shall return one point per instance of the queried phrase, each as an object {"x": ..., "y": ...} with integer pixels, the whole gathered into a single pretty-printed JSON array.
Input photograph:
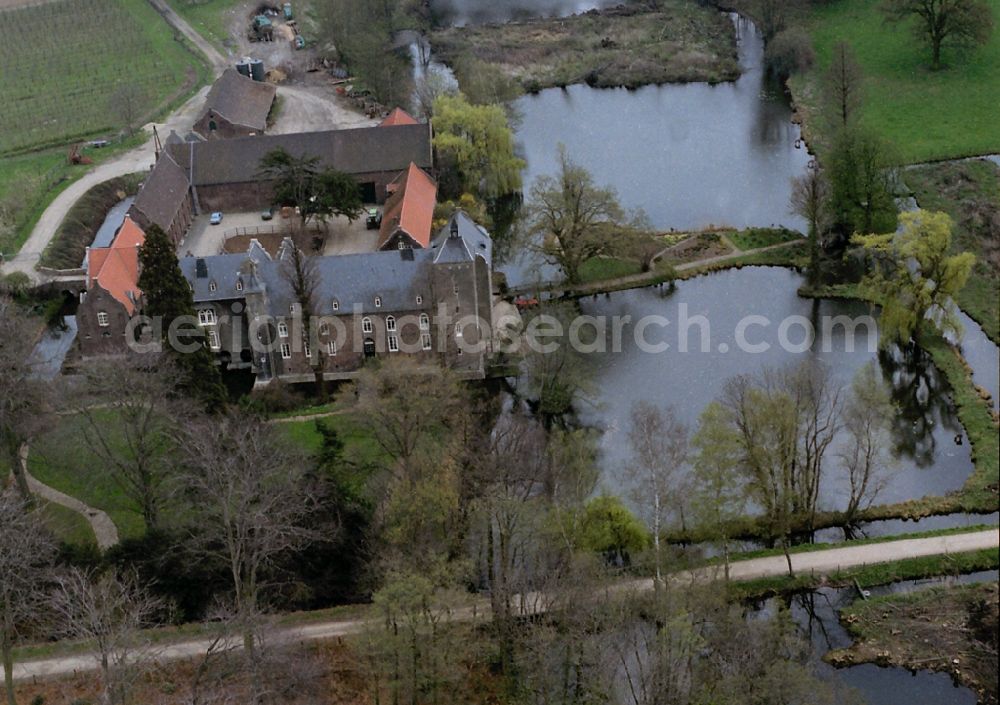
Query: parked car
[
  {"x": 215, "y": 218},
  {"x": 374, "y": 219},
  {"x": 267, "y": 214}
]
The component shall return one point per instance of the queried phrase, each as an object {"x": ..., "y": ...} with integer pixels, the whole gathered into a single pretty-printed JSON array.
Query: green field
[
  {"x": 212, "y": 18},
  {"x": 65, "y": 61},
  {"x": 926, "y": 114}
]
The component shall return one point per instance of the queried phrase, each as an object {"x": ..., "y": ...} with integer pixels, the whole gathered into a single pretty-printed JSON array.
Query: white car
[{"x": 215, "y": 218}]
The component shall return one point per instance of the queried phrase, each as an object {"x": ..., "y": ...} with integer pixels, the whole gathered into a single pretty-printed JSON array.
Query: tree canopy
[
  {"x": 915, "y": 278},
  {"x": 318, "y": 193},
  {"x": 941, "y": 22}
]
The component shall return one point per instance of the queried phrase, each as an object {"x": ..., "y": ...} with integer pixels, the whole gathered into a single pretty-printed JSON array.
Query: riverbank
[
  {"x": 951, "y": 630},
  {"x": 627, "y": 46}
]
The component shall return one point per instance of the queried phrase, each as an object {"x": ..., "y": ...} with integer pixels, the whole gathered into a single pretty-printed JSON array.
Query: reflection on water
[
  {"x": 51, "y": 349},
  {"x": 928, "y": 464}
]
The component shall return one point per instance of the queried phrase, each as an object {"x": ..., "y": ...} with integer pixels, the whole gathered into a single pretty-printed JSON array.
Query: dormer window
[
  {"x": 335, "y": 305},
  {"x": 425, "y": 322},
  {"x": 102, "y": 319},
  {"x": 420, "y": 299},
  {"x": 283, "y": 329},
  {"x": 239, "y": 285},
  {"x": 378, "y": 302},
  {"x": 212, "y": 286}
]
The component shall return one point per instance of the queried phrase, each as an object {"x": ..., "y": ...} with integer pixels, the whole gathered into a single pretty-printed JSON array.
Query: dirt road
[{"x": 819, "y": 562}]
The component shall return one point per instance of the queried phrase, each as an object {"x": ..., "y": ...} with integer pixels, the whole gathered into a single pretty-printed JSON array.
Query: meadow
[
  {"x": 927, "y": 115},
  {"x": 66, "y": 64}
]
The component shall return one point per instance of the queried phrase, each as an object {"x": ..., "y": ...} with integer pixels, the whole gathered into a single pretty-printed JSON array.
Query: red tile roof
[
  {"x": 398, "y": 117},
  {"x": 116, "y": 268},
  {"x": 410, "y": 208}
]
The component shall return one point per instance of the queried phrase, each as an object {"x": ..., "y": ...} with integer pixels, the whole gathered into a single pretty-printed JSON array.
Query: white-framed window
[
  {"x": 420, "y": 299},
  {"x": 213, "y": 339},
  {"x": 282, "y": 329},
  {"x": 239, "y": 285},
  {"x": 305, "y": 348},
  {"x": 366, "y": 325},
  {"x": 390, "y": 324},
  {"x": 425, "y": 341},
  {"x": 335, "y": 305},
  {"x": 393, "y": 344},
  {"x": 102, "y": 319},
  {"x": 425, "y": 322},
  {"x": 458, "y": 332},
  {"x": 331, "y": 348},
  {"x": 378, "y": 302},
  {"x": 83, "y": 296},
  {"x": 286, "y": 351},
  {"x": 212, "y": 286},
  {"x": 401, "y": 244},
  {"x": 206, "y": 317}
]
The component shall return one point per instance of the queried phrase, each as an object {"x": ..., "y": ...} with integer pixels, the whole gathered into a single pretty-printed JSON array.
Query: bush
[
  {"x": 15, "y": 284},
  {"x": 790, "y": 52}
]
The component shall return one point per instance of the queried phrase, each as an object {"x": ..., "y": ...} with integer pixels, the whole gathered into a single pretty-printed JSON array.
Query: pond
[{"x": 930, "y": 445}]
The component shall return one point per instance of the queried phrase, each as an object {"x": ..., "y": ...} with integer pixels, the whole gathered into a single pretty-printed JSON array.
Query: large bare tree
[
  {"x": 659, "y": 444},
  {"x": 108, "y": 612},
  {"x": 27, "y": 553},
  {"x": 844, "y": 86},
  {"x": 250, "y": 501},
  {"x": 130, "y": 416},
  {"x": 25, "y": 399},
  {"x": 810, "y": 196},
  {"x": 960, "y": 22}
]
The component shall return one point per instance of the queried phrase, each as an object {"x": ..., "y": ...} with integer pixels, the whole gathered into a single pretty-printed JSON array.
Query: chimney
[{"x": 454, "y": 225}]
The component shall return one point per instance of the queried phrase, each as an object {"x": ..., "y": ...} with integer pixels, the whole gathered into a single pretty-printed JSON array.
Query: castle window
[
  {"x": 420, "y": 299},
  {"x": 212, "y": 286},
  {"x": 390, "y": 324},
  {"x": 283, "y": 329},
  {"x": 425, "y": 341},
  {"x": 378, "y": 302},
  {"x": 239, "y": 285},
  {"x": 393, "y": 344},
  {"x": 102, "y": 319},
  {"x": 366, "y": 325},
  {"x": 206, "y": 317},
  {"x": 213, "y": 340},
  {"x": 331, "y": 348},
  {"x": 336, "y": 305},
  {"x": 425, "y": 322},
  {"x": 286, "y": 351}
]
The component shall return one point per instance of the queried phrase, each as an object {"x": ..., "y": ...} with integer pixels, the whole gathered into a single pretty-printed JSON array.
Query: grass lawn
[
  {"x": 61, "y": 459},
  {"x": 756, "y": 238},
  {"x": 67, "y": 525},
  {"x": 600, "y": 268},
  {"x": 969, "y": 192},
  {"x": 360, "y": 447},
  {"x": 211, "y": 18},
  {"x": 926, "y": 114}
]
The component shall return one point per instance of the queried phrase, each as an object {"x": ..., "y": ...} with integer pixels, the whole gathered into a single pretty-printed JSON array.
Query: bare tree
[
  {"x": 108, "y": 613},
  {"x": 659, "y": 449},
  {"x": 961, "y": 22},
  {"x": 250, "y": 506},
  {"x": 868, "y": 413},
  {"x": 136, "y": 447},
  {"x": 844, "y": 86},
  {"x": 431, "y": 85},
  {"x": 127, "y": 105},
  {"x": 302, "y": 274},
  {"x": 810, "y": 196},
  {"x": 27, "y": 553},
  {"x": 24, "y": 397}
]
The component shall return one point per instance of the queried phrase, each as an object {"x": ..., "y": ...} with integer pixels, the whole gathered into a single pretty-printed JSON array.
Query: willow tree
[
  {"x": 478, "y": 144},
  {"x": 915, "y": 277}
]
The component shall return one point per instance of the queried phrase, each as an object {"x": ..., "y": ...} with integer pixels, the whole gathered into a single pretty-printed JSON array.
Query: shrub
[
  {"x": 15, "y": 284},
  {"x": 790, "y": 52}
]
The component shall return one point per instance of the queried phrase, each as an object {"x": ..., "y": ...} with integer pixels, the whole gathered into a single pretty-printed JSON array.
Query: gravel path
[
  {"x": 820, "y": 561},
  {"x": 104, "y": 529}
]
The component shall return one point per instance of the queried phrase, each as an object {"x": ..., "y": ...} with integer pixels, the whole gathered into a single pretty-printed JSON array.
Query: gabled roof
[
  {"x": 240, "y": 100},
  {"x": 224, "y": 277},
  {"x": 163, "y": 194},
  {"x": 355, "y": 151},
  {"x": 410, "y": 209},
  {"x": 462, "y": 240},
  {"x": 398, "y": 117},
  {"x": 116, "y": 268}
]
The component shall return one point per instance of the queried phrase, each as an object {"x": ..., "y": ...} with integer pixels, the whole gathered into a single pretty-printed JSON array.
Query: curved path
[
  {"x": 823, "y": 561},
  {"x": 105, "y": 530}
]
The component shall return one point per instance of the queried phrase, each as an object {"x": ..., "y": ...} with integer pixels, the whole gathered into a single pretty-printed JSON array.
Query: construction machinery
[{"x": 76, "y": 156}]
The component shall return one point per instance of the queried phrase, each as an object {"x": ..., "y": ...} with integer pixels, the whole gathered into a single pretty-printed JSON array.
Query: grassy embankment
[
  {"x": 62, "y": 69},
  {"x": 627, "y": 46},
  {"x": 80, "y": 226},
  {"x": 927, "y": 115},
  {"x": 949, "y": 629},
  {"x": 968, "y": 191}
]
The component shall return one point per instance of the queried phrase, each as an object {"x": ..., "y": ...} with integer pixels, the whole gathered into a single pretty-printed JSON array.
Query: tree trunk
[
  {"x": 18, "y": 464},
  {"x": 788, "y": 555},
  {"x": 936, "y": 50},
  {"x": 8, "y": 669}
]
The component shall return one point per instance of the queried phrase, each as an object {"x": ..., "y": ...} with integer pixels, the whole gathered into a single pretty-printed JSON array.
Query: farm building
[
  {"x": 409, "y": 211},
  {"x": 236, "y": 106}
]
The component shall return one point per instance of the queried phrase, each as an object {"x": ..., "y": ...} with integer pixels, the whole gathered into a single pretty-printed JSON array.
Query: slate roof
[
  {"x": 116, "y": 268},
  {"x": 410, "y": 208},
  {"x": 164, "y": 191},
  {"x": 398, "y": 117},
  {"x": 355, "y": 151},
  {"x": 241, "y": 100},
  {"x": 472, "y": 241},
  {"x": 224, "y": 271}
]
